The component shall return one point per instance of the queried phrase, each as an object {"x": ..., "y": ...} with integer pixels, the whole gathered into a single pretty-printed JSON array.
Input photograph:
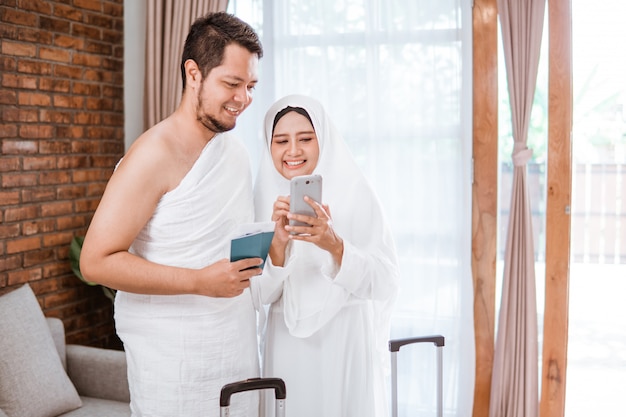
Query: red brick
[
  {"x": 7, "y": 64},
  {"x": 69, "y": 42},
  {"x": 116, "y": 10},
  {"x": 71, "y": 222},
  {"x": 113, "y": 37},
  {"x": 69, "y": 101},
  {"x": 72, "y": 162},
  {"x": 87, "y": 118},
  {"x": 33, "y": 35},
  {"x": 56, "y": 209},
  {"x": 58, "y": 268},
  {"x": 19, "y": 147},
  {"x": 19, "y": 81},
  {"x": 9, "y": 230},
  {"x": 96, "y": 189},
  {"x": 86, "y": 146},
  {"x": 55, "y": 116},
  {"x": 36, "y": 131},
  {"x": 39, "y": 163},
  {"x": 86, "y": 89},
  {"x": 36, "y": 6},
  {"x": 54, "y": 25},
  {"x": 8, "y": 263},
  {"x": 34, "y": 195},
  {"x": 19, "y": 114},
  {"x": 8, "y": 131},
  {"x": 38, "y": 257},
  {"x": 8, "y": 97},
  {"x": 54, "y": 146},
  {"x": 23, "y": 276},
  {"x": 18, "y": 49},
  {"x": 58, "y": 239},
  {"x": 60, "y": 298},
  {"x": 95, "y": 5},
  {"x": 34, "y": 67},
  {"x": 99, "y": 48},
  {"x": 9, "y": 164},
  {"x": 19, "y": 180},
  {"x": 87, "y": 60},
  {"x": 54, "y": 84},
  {"x": 55, "y": 54},
  {"x": 23, "y": 244},
  {"x": 86, "y": 206},
  {"x": 21, "y": 213},
  {"x": 33, "y": 99},
  {"x": 19, "y": 17},
  {"x": 54, "y": 177},
  {"x": 68, "y": 12},
  {"x": 72, "y": 192},
  {"x": 9, "y": 198},
  {"x": 66, "y": 71},
  {"x": 70, "y": 132}
]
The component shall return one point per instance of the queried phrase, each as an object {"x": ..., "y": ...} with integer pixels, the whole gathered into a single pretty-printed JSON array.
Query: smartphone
[{"x": 309, "y": 185}]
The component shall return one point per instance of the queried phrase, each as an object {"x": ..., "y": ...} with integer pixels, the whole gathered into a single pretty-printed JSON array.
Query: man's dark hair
[{"x": 208, "y": 37}]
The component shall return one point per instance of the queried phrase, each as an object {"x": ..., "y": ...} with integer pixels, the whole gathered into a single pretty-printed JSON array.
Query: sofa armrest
[{"x": 98, "y": 373}]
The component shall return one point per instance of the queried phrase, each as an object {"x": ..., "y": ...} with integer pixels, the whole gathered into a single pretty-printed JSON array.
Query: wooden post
[
  {"x": 484, "y": 194},
  {"x": 559, "y": 184}
]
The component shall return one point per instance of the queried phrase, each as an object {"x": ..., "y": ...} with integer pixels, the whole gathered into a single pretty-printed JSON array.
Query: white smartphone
[{"x": 309, "y": 185}]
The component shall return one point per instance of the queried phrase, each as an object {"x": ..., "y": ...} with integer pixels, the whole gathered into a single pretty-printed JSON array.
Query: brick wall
[{"x": 61, "y": 132}]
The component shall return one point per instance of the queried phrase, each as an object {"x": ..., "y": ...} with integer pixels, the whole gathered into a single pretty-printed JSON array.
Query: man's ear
[{"x": 192, "y": 72}]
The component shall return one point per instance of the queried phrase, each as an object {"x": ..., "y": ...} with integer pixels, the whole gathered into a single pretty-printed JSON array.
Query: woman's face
[{"x": 294, "y": 147}]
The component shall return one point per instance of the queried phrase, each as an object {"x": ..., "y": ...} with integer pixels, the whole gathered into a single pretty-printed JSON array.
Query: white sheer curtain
[{"x": 396, "y": 76}]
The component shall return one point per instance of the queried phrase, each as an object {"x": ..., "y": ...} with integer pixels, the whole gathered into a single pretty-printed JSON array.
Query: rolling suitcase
[
  {"x": 250, "y": 385},
  {"x": 394, "y": 347}
]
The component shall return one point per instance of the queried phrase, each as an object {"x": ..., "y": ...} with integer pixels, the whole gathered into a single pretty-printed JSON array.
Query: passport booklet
[{"x": 252, "y": 240}]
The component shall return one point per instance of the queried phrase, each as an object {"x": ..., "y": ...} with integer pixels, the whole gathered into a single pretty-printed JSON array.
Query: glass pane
[{"x": 596, "y": 363}]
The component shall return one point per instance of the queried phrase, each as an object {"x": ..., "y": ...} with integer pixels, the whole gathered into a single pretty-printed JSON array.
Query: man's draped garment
[{"x": 182, "y": 349}]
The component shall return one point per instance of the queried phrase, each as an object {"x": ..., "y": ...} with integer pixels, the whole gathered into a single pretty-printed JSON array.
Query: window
[{"x": 396, "y": 76}]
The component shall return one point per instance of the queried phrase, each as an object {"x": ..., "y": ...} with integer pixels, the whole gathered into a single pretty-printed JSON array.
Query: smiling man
[{"x": 160, "y": 236}]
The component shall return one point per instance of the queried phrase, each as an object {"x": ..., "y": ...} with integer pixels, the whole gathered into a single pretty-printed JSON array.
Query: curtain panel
[
  {"x": 395, "y": 76},
  {"x": 514, "y": 386},
  {"x": 167, "y": 25}
]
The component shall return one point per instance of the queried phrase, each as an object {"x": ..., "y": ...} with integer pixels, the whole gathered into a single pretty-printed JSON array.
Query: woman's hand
[
  {"x": 321, "y": 231},
  {"x": 281, "y": 236}
]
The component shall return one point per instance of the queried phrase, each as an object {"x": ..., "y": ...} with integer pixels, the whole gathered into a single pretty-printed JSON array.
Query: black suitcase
[
  {"x": 394, "y": 347},
  {"x": 277, "y": 384}
]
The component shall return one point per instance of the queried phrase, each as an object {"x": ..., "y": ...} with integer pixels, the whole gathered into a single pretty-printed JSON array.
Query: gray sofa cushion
[
  {"x": 33, "y": 381},
  {"x": 97, "y": 407}
]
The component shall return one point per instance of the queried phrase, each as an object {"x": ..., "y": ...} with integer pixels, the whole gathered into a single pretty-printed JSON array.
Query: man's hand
[{"x": 227, "y": 279}]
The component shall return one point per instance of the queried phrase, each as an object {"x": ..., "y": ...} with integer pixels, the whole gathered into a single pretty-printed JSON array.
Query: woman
[{"x": 330, "y": 290}]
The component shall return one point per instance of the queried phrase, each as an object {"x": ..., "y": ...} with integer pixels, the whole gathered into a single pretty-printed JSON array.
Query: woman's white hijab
[{"x": 335, "y": 164}]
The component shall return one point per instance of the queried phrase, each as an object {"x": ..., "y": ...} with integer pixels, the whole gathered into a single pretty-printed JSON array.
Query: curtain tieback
[{"x": 521, "y": 156}]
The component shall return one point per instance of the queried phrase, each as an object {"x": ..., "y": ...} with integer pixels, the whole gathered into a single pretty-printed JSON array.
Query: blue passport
[{"x": 252, "y": 241}]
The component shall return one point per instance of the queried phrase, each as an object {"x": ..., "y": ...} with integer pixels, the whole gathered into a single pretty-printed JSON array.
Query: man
[{"x": 160, "y": 236}]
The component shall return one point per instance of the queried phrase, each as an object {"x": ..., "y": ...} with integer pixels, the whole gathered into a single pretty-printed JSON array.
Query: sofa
[{"x": 41, "y": 376}]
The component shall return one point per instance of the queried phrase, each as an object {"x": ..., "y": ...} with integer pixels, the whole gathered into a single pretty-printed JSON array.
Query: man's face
[
  {"x": 294, "y": 148},
  {"x": 227, "y": 89}
]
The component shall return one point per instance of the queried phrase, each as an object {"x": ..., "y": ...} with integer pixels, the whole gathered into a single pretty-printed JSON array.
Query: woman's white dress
[{"x": 327, "y": 327}]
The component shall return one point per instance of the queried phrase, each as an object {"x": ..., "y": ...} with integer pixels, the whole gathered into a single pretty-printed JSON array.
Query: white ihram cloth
[
  {"x": 328, "y": 328},
  {"x": 182, "y": 349}
]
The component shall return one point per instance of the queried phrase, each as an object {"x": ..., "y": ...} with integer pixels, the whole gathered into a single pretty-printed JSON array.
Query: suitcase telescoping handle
[
  {"x": 394, "y": 347},
  {"x": 277, "y": 384}
]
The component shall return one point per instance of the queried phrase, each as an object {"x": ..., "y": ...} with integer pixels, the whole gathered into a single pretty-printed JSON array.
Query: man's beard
[{"x": 209, "y": 121}]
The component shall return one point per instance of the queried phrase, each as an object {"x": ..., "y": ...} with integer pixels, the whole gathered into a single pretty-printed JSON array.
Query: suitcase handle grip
[
  {"x": 252, "y": 384},
  {"x": 396, "y": 344}
]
